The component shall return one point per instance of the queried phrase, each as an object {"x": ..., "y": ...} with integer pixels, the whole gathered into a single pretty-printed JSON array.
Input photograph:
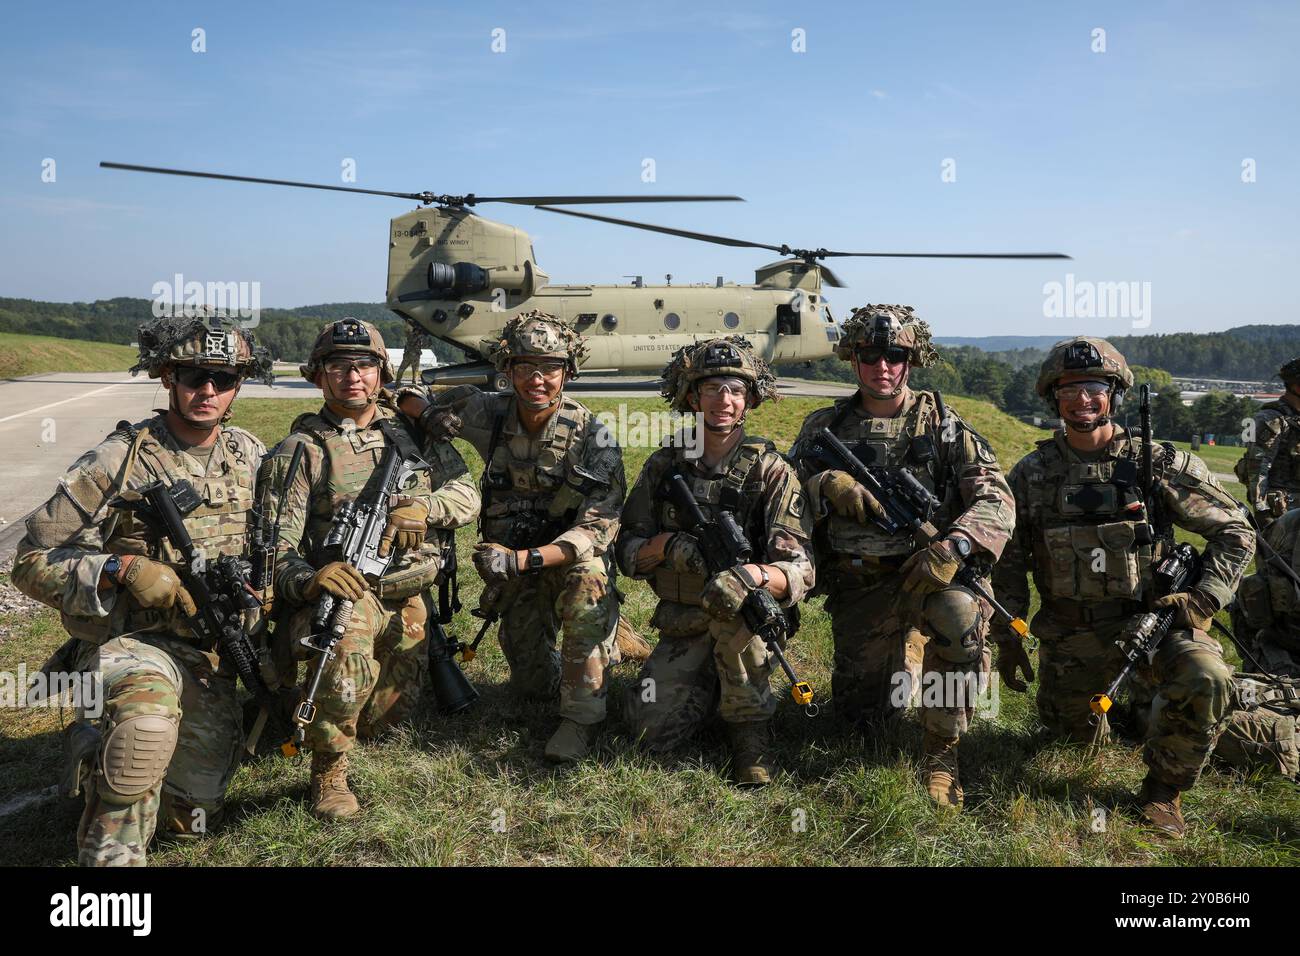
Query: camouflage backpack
[{"x": 1263, "y": 729}]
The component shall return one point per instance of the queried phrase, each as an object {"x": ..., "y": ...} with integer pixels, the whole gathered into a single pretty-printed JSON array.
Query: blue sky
[{"x": 1130, "y": 160}]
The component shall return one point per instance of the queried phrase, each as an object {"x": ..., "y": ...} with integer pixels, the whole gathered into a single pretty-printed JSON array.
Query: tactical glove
[
  {"x": 683, "y": 554},
  {"x": 1195, "y": 609},
  {"x": 407, "y": 524},
  {"x": 156, "y": 585},
  {"x": 1013, "y": 657},
  {"x": 725, "y": 592},
  {"x": 495, "y": 563},
  {"x": 441, "y": 423},
  {"x": 848, "y": 498},
  {"x": 339, "y": 579},
  {"x": 931, "y": 569}
]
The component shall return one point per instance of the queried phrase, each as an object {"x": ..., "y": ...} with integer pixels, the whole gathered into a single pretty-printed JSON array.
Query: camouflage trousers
[
  {"x": 374, "y": 680},
  {"x": 576, "y": 599},
  {"x": 1263, "y": 731},
  {"x": 699, "y": 665},
  {"x": 166, "y": 677},
  {"x": 885, "y": 662},
  {"x": 1180, "y": 699}
]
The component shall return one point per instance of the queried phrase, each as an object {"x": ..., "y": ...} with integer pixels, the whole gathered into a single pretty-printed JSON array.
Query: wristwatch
[
  {"x": 112, "y": 567},
  {"x": 961, "y": 545},
  {"x": 766, "y": 577},
  {"x": 535, "y": 560}
]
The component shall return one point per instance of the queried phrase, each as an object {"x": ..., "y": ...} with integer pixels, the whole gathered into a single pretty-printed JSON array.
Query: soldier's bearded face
[
  {"x": 201, "y": 407},
  {"x": 881, "y": 377}
]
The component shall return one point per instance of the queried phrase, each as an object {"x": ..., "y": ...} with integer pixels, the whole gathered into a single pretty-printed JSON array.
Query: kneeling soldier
[
  {"x": 1092, "y": 536},
  {"x": 374, "y": 678},
  {"x": 706, "y": 656},
  {"x": 168, "y": 741},
  {"x": 896, "y": 611}
]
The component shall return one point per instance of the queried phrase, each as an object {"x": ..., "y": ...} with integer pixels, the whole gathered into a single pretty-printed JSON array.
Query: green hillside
[{"x": 34, "y": 354}]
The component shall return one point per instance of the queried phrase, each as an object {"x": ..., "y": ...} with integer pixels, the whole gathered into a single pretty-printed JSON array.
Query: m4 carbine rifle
[
  {"x": 725, "y": 546},
  {"x": 902, "y": 503}
]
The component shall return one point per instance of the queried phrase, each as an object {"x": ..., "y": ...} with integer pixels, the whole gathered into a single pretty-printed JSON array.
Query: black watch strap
[{"x": 535, "y": 560}]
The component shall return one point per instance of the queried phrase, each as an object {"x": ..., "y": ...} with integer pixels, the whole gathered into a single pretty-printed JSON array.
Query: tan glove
[
  {"x": 848, "y": 498},
  {"x": 725, "y": 592},
  {"x": 157, "y": 585},
  {"x": 1013, "y": 657},
  {"x": 495, "y": 563},
  {"x": 683, "y": 554},
  {"x": 408, "y": 522},
  {"x": 931, "y": 569},
  {"x": 338, "y": 578},
  {"x": 1195, "y": 609}
]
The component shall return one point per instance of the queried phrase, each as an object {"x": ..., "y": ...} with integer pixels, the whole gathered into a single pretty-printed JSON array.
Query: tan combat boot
[
  {"x": 940, "y": 771},
  {"x": 751, "y": 747},
  {"x": 1162, "y": 807},
  {"x": 631, "y": 645},
  {"x": 571, "y": 741},
  {"x": 330, "y": 797}
]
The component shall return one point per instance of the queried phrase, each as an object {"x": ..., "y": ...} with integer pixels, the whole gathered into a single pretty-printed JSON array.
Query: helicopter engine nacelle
[{"x": 455, "y": 279}]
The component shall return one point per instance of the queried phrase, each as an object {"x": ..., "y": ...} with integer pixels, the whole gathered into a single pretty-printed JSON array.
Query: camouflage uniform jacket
[
  {"x": 755, "y": 483},
  {"x": 948, "y": 457},
  {"x": 1268, "y": 598},
  {"x": 71, "y": 536},
  {"x": 338, "y": 460},
  {"x": 1271, "y": 463},
  {"x": 563, "y": 486},
  {"x": 1079, "y": 525}
]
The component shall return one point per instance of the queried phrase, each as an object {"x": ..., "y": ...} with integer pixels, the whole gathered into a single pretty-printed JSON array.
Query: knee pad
[
  {"x": 955, "y": 622},
  {"x": 135, "y": 757}
]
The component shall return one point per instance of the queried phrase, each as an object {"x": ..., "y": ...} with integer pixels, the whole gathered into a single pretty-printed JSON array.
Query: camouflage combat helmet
[
  {"x": 1290, "y": 372},
  {"x": 883, "y": 326},
  {"x": 537, "y": 335},
  {"x": 210, "y": 339},
  {"x": 1083, "y": 356},
  {"x": 731, "y": 356},
  {"x": 347, "y": 336}
]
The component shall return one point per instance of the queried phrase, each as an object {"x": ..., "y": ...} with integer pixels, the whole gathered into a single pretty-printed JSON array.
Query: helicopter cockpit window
[
  {"x": 672, "y": 320},
  {"x": 731, "y": 320},
  {"x": 609, "y": 321}
]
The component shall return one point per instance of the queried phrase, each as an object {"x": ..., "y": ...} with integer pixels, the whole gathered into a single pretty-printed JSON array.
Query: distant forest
[{"x": 289, "y": 333}]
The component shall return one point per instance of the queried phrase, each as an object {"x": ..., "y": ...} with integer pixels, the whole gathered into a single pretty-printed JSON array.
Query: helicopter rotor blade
[
  {"x": 468, "y": 199},
  {"x": 808, "y": 255},
  {"x": 821, "y": 253},
  {"x": 418, "y": 197},
  {"x": 667, "y": 230},
  {"x": 540, "y": 201},
  {"x": 830, "y": 278}
]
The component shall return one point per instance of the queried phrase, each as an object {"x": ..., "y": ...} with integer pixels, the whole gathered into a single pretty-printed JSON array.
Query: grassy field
[
  {"x": 35, "y": 354},
  {"x": 474, "y": 789}
]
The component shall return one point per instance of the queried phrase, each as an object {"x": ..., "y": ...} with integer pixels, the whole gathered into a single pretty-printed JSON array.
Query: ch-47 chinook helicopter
[{"x": 461, "y": 277}]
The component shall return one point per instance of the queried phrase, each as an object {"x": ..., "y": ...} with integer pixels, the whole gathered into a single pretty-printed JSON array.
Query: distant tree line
[
  {"x": 289, "y": 333},
  {"x": 966, "y": 370}
]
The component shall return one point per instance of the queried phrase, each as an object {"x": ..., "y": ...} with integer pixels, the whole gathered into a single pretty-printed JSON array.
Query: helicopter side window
[
  {"x": 731, "y": 320},
  {"x": 787, "y": 320},
  {"x": 610, "y": 322},
  {"x": 585, "y": 318},
  {"x": 672, "y": 320}
]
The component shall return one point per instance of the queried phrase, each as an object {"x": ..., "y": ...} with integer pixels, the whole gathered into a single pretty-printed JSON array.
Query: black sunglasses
[
  {"x": 894, "y": 355},
  {"x": 193, "y": 377}
]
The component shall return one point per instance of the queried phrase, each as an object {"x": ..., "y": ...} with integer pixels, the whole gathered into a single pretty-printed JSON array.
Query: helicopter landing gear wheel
[{"x": 501, "y": 382}]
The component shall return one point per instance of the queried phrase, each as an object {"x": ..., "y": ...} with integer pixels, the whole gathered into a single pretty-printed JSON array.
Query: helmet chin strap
[
  {"x": 352, "y": 404},
  {"x": 1096, "y": 423},
  {"x": 174, "y": 407}
]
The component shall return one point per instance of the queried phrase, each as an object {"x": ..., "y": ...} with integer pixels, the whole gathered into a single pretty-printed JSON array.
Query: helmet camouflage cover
[
  {"x": 1082, "y": 355},
  {"x": 731, "y": 356},
  {"x": 883, "y": 326},
  {"x": 347, "y": 336},
  {"x": 1290, "y": 372},
  {"x": 213, "y": 340},
  {"x": 537, "y": 335}
]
